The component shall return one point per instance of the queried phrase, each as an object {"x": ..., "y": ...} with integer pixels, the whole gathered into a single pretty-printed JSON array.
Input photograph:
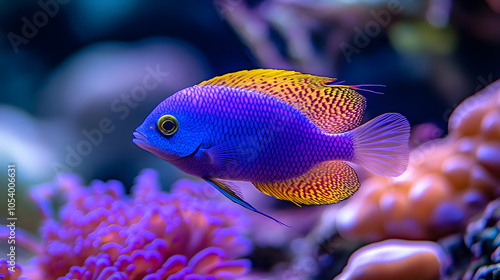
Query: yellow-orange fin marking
[
  {"x": 333, "y": 108},
  {"x": 327, "y": 183}
]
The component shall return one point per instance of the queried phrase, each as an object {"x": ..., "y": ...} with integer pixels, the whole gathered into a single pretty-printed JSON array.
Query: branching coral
[
  {"x": 317, "y": 36},
  {"x": 395, "y": 259},
  {"x": 482, "y": 239},
  {"x": 448, "y": 181},
  {"x": 13, "y": 274},
  {"x": 102, "y": 234}
]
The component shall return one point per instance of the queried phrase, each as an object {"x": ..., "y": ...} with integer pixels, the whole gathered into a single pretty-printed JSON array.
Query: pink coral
[
  {"x": 13, "y": 273},
  {"x": 447, "y": 182},
  {"x": 103, "y": 234}
]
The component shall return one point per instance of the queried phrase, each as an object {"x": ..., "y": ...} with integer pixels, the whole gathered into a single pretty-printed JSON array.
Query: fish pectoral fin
[
  {"x": 326, "y": 183},
  {"x": 230, "y": 193},
  {"x": 225, "y": 154},
  {"x": 235, "y": 154}
]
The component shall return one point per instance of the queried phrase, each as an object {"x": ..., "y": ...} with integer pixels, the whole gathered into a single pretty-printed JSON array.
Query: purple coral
[
  {"x": 6, "y": 274},
  {"x": 103, "y": 234},
  {"x": 482, "y": 239}
]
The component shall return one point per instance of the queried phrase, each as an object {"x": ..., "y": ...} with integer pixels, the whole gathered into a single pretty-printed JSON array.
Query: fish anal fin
[
  {"x": 230, "y": 193},
  {"x": 328, "y": 182},
  {"x": 334, "y": 108}
]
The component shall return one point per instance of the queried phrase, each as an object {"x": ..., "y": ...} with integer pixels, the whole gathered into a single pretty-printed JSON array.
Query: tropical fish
[{"x": 290, "y": 134}]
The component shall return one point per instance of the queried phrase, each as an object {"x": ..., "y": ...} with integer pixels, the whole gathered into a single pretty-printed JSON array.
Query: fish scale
[{"x": 289, "y": 134}]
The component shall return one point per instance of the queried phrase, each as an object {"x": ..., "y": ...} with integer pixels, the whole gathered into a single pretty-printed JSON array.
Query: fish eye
[{"x": 168, "y": 125}]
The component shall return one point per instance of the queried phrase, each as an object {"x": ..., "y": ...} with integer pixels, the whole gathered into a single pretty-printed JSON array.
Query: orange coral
[
  {"x": 395, "y": 259},
  {"x": 447, "y": 182}
]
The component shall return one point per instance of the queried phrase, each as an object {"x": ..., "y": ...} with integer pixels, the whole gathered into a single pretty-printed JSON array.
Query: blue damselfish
[{"x": 290, "y": 134}]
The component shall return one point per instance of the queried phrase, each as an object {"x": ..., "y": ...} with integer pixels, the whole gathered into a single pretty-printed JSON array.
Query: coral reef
[
  {"x": 447, "y": 182},
  {"x": 477, "y": 254},
  {"x": 103, "y": 234},
  {"x": 297, "y": 24},
  {"x": 395, "y": 259},
  {"x": 482, "y": 238},
  {"x": 5, "y": 274}
]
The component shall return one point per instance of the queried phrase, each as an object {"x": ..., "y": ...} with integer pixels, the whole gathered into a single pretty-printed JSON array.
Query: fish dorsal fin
[
  {"x": 332, "y": 107},
  {"x": 328, "y": 182}
]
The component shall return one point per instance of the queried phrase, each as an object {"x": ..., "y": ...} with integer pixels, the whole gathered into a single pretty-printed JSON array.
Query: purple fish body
[
  {"x": 255, "y": 137},
  {"x": 289, "y": 134}
]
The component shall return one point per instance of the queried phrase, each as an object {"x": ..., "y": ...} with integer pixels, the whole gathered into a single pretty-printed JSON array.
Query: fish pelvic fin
[
  {"x": 326, "y": 183},
  {"x": 381, "y": 145},
  {"x": 228, "y": 192},
  {"x": 334, "y": 108}
]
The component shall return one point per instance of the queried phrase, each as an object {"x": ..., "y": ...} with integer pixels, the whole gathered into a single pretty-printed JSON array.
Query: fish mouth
[{"x": 141, "y": 140}]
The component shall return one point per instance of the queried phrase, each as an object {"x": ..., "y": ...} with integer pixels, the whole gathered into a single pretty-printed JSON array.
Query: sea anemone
[{"x": 103, "y": 234}]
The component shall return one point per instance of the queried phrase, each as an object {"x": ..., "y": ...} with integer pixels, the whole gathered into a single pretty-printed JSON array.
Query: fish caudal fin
[{"x": 381, "y": 145}]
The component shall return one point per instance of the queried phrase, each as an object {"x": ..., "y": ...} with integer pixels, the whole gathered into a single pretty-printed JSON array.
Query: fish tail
[{"x": 381, "y": 145}]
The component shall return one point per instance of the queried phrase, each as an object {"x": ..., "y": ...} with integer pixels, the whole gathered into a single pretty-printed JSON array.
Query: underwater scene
[{"x": 250, "y": 140}]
